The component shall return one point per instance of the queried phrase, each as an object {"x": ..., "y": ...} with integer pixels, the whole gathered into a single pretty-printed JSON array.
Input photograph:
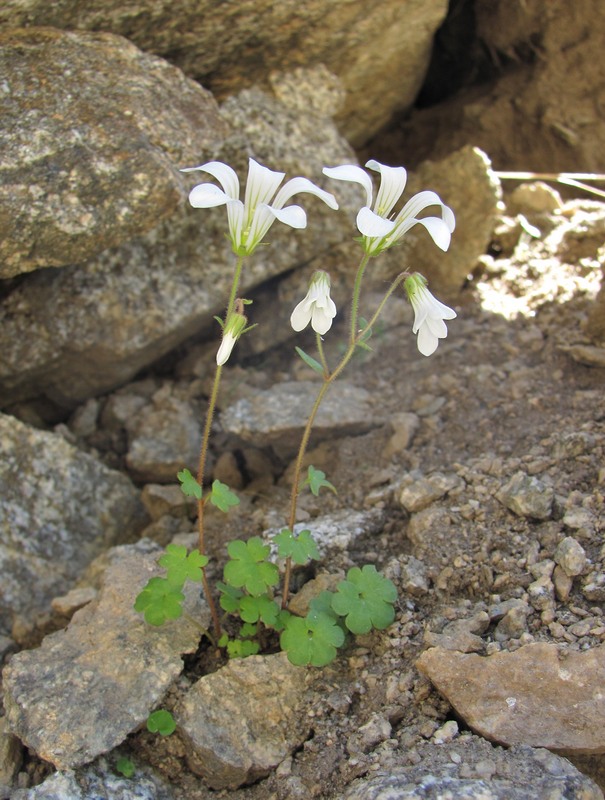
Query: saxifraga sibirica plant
[{"x": 254, "y": 589}]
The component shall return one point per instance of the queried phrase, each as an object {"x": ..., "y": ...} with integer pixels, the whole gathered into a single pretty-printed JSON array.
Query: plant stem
[
  {"x": 356, "y": 336},
  {"x": 204, "y": 453}
]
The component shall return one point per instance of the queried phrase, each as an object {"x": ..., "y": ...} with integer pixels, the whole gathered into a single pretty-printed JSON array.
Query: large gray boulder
[
  {"x": 380, "y": 51},
  {"x": 92, "y": 133},
  {"x": 59, "y": 508}
]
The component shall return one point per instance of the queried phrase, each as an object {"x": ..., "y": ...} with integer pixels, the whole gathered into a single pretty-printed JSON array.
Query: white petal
[
  {"x": 448, "y": 217},
  {"x": 207, "y": 195},
  {"x": 420, "y": 315},
  {"x": 439, "y": 231},
  {"x": 224, "y": 174},
  {"x": 321, "y": 320},
  {"x": 294, "y": 216},
  {"x": 370, "y": 224},
  {"x": 235, "y": 215},
  {"x": 392, "y": 184},
  {"x": 354, "y": 174},
  {"x": 437, "y": 327},
  {"x": 426, "y": 341},
  {"x": 298, "y": 185},
  {"x": 440, "y": 310},
  {"x": 261, "y": 185},
  {"x": 225, "y": 349},
  {"x": 301, "y": 316}
]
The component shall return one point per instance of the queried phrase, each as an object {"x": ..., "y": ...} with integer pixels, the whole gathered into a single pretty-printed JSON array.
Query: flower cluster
[{"x": 250, "y": 221}]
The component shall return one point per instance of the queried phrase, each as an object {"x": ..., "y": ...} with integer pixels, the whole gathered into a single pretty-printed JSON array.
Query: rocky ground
[{"x": 474, "y": 479}]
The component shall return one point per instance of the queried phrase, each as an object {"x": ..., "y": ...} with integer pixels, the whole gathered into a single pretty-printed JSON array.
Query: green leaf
[
  {"x": 248, "y": 566},
  {"x": 222, "y": 497},
  {"x": 247, "y": 630},
  {"x": 365, "y": 599},
  {"x": 181, "y": 567},
  {"x": 125, "y": 767},
  {"x": 159, "y": 600},
  {"x": 242, "y": 648},
  {"x": 263, "y": 608},
  {"x": 309, "y": 361},
  {"x": 300, "y": 549},
  {"x": 313, "y": 640},
  {"x": 161, "y": 722},
  {"x": 189, "y": 486},
  {"x": 230, "y": 598},
  {"x": 223, "y": 641},
  {"x": 316, "y": 479}
]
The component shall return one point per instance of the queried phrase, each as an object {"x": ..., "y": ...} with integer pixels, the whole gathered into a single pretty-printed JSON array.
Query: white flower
[
  {"x": 429, "y": 314},
  {"x": 249, "y": 221},
  {"x": 317, "y": 307},
  {"x": 379, "y": 231},
  {"x": 232, "y": 330}
]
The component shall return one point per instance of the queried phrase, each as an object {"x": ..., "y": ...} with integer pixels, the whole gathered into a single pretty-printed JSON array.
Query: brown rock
[
  {"x": 530, "y": 696},
  {"x": 243, "y": 720}
]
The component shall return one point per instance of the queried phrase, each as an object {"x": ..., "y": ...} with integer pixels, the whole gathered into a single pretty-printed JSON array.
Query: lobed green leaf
[
  {"x": 313, "y": 640},
  {"x": 365, "y": 600},
  {"x": 182, "y": 567},
  {"x": 300, "y": 549},
  {"x": 248, "y": 566},
  {"x": 316, "y": 480},
  {"x": 159, "y": 601},
  {"x": 222, "y": 497},
  {"x": 189, "y": 486}
]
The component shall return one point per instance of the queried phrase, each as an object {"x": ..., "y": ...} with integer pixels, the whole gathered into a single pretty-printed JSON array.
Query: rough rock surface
[
  {"x": 87, "y": 687},
  {"x": 278, "y": 415},
  {"x": 95, "y": 782},
  {"x": 232, "y": 741},
  {"x": 72, "y": 333},
  {"x": 59, "y": 508},
  {"x": 467, "y": 769},
  {"x": 94, "y": 161},
  {"x": 541, "y": 108},
  {"x": 465, "y": 181},
  {"x": 228, "y": 47},
  {"x": 531, "y": 696}
]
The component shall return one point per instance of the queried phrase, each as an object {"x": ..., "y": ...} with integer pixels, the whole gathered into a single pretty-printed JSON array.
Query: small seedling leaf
[
  {"x": 180, "y": 566},
  {"x": 230, "y": 598},
  {"x": 311, "y": 641},
  {"x": 365, "y": 599},
  {"x": 248, "y": 566},
  {"x": 300, "y": 549},
  {"x": 162, "y": 722},
  {"x": 222, "y": 497},
  {"x": 159, "y": 601},
  {"x": 242, "y": 648},
  {"x": 316, "y": 479},
  {"x": 189, "y": 486},
  {"x": 125, "y": 767},
  {"x": 310, "y": 361}
]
